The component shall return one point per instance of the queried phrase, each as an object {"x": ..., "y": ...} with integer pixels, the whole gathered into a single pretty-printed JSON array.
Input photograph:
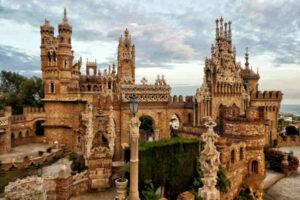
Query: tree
[
  {"x": 18, "y": 91},
  {"x": 291, "y": 130},
  {"x": 146, "y": 123},
  {"x": 10, "y": 81}
]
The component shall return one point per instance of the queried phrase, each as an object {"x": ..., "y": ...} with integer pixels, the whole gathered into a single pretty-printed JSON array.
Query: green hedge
[
  {"x": 168, "y": 162},
  {"x": 275, "y": 157}
]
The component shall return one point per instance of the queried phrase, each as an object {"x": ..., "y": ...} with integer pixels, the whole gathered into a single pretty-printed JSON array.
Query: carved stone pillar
[
  {"x": 210, "y": 161},
  {"x": 134, "y": 158}
]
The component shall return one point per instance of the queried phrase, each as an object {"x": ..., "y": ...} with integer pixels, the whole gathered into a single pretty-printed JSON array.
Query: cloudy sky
[{"x": 171, "y": 37}]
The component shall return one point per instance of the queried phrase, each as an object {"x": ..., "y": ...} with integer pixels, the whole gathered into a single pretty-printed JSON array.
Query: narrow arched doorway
[
  {"x": 146, "y": 128},
  {"x": 39, "y": 128}
]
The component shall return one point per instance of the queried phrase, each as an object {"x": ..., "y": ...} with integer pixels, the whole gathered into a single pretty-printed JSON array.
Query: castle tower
[
  {"x": 49, "y": 46},
  {"x": 126, "y": 60},
  {"x": 249, "y": 76}
]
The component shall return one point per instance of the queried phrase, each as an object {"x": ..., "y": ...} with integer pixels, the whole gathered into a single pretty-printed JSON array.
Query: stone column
[
  {"x": 134, "y": 158},
  {"x": 210, "y": 161}
]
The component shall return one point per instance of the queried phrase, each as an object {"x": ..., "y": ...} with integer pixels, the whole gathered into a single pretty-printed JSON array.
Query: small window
[
  {"x": 61, "y": 39},
  {"x": 66, "y": 63},
  {"x": 109, "y": 85},
  {"x": 241, "y": 153},
  {"x": 232, "y": 156},
  {"x": 52, "y": 88}
]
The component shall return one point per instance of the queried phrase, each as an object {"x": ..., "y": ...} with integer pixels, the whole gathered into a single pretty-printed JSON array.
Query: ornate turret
[
  {"x": 126, "y": 60},
  {"x": 249, "y": 76}
]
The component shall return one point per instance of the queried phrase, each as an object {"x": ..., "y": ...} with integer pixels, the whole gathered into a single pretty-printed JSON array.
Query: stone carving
[
  {"x": 144, "y": 81},
  {"x": 110, "y": 134},
  {"x": 30, "y": 188},
  {"x": 210, "y": 161},
  {"x": 89, "y": 130}
]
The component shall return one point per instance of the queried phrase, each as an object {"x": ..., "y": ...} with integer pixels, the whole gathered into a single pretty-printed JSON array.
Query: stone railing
[
  {"x": 3, "y": 121},
  {"x": 25, "y": 163},
  {"x": 80, "y": 183},
  {"x": 288, "y": 141},
  {"x": 29, "y": 188}
]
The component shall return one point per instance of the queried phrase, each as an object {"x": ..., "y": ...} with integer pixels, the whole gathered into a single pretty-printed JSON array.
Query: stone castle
[{"x": 90, "y": 113}]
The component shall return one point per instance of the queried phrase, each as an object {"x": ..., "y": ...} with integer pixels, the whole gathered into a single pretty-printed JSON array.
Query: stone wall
[
  {"x": 26, "y": 140},
  {"x": 289, "y": 141},
  {"x": 33, "y": 162}
]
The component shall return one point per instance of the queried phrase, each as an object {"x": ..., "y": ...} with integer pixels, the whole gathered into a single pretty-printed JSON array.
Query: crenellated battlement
[{"x": 267, "y": 95}]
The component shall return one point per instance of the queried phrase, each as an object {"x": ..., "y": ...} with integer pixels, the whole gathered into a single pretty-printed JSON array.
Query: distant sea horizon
[{"x": 289, "y": 108}]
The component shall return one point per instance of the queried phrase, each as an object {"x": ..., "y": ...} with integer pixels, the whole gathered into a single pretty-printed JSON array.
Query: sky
[{"x": 172, "y": 37}]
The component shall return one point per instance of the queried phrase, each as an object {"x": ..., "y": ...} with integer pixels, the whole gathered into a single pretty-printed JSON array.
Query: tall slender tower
[{"x": 126, "y": 60}]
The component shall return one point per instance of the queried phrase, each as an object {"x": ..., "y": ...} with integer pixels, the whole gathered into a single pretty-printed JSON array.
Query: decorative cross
[{"x": 144, "y": 81}]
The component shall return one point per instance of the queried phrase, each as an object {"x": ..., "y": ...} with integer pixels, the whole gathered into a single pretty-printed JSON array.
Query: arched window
[
  {"x": 66, "y": 63},
  {"x": 54, "y": 57},
  {"x": 12, "y": 136},
  {"x": 52, "y": 88},
  {"x": 20, "y": 134},
  {"x": 109, "y": 85},
  {"x": 232, "y": 156},
  {"x": 241, "y": 153},
  {"x": 89, "y": 88},
  {"x": 49, "y": 57},
  {"x": 254, "y": 167},
  {"x": 61, "y": 39}
]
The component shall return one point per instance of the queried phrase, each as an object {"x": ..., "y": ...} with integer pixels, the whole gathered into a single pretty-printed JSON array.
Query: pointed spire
[
  {"x": 234, "y": 53},
  {"x": 109, "y": 69},
  {"x": 225, "y": 34},
  {"x": 212, "y": 50},
  {"x": 133, "y": 51},
  {"x": 229, "y": 32},
  {"x": 217, "y": 30},
  {"x": 221, "y": 28},
  {"x": 247, "y": 58},
  {"x": 114, "y": 68},
  {"x": 65, "y": 19},
  {"x": 126, "y": 33}
]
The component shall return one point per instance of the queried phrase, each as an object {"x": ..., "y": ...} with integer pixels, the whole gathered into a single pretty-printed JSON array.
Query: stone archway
[{"x": 146, "y": 128}]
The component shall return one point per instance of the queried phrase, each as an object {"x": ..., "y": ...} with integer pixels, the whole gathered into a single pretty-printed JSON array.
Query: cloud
[{"x": 12, "y": 59}]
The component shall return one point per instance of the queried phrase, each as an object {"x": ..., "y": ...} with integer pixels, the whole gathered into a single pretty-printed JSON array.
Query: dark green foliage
[
  {"x": 291, "y": 130},
  {"x": 168, "y": 162},
  {"x": 148, "y": 193},
  {"x": 78, "y": 163},
  {"x": 244, "y": 195},
  {"x": 173, "y": 163},
  {"x": 41, "y": 153},
  {"x": 197, "y": 183},
  {"x": 49, "y": 150},
  {"x": 73, "y": 157},
  {"x": 223, "y": 182},
  {"x": 275, "y": 143},
  {"x": 10, "y": 81},
  {"x": 146, "y": 123},
  {"x": 18, "y": 91},
  {"x": 275, "y": 158}
]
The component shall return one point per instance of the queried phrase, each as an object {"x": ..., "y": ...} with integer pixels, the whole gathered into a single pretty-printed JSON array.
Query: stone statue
[
  {"x": 110, "y": 134},
  {"x": 210, "y": 161}
]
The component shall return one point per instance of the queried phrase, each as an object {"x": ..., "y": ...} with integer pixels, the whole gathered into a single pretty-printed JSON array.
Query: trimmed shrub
[
  {"x": 49, "y": 150},
  {"x": 173, "y": 164},
  {"x": 41, "y": 153},
  {"x": 275, "y": 157},
  {"x": 148, "y": 193},
  {"x": 170, "y": 163},
  {"x": 291, "y": 130}
]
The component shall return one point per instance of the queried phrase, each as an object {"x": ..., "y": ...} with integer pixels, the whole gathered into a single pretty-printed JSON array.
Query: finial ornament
[
  {"x": 65, "y": 19},
  {"x": 247, "y": 58}
]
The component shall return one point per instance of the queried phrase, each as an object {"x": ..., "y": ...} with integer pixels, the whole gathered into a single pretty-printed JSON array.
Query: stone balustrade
[{"x": 25, "y": 163}]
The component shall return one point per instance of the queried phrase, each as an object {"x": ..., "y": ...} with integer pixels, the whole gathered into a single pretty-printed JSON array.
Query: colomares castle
[{"x": 88, "y": 113}]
